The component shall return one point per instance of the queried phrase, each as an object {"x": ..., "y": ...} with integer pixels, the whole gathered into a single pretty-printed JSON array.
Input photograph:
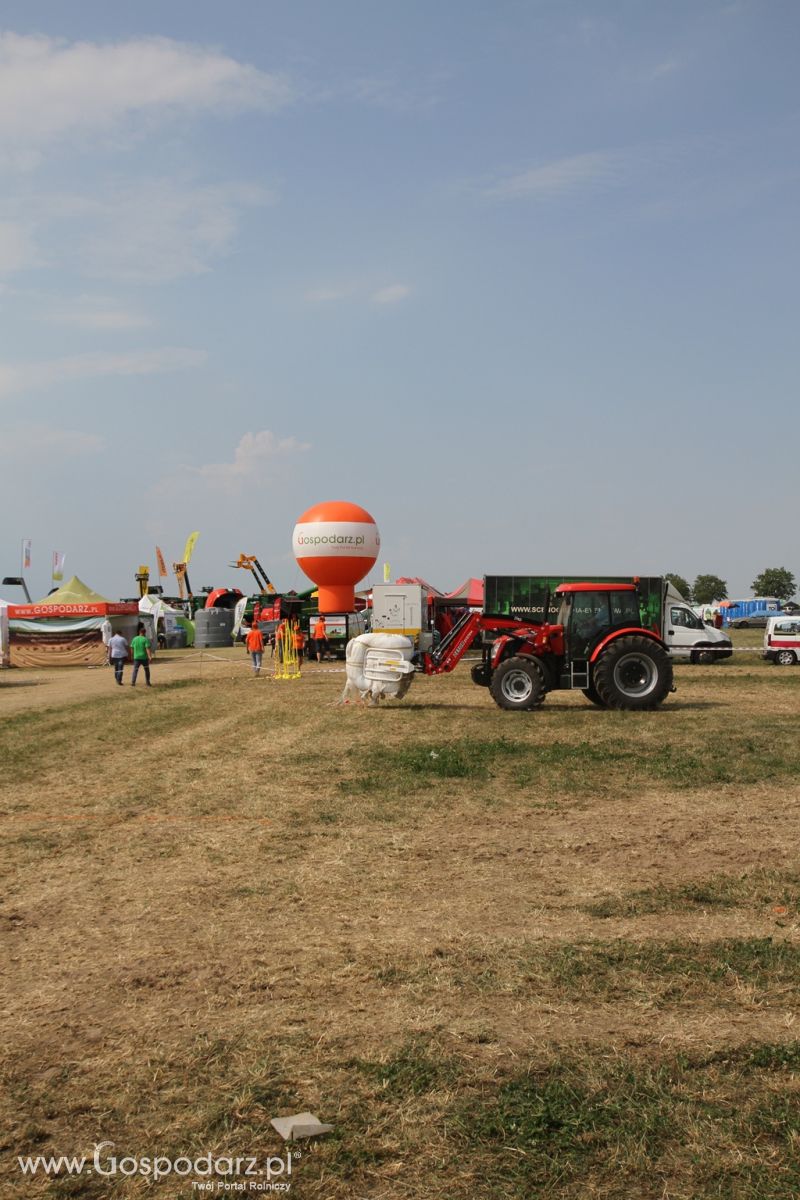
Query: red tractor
[{"x": 597, "y": 643}]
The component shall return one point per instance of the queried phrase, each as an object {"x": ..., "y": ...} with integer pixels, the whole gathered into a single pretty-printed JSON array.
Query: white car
[{"x": 782, "y": 640}]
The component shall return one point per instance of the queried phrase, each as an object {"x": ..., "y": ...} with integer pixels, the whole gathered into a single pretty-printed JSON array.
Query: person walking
[
  {"x": 117, "y": 654},
  {"x": 320, "y": 636},
  {"x": 140, "y": 649},
  {"x": 255, "y": 647}
]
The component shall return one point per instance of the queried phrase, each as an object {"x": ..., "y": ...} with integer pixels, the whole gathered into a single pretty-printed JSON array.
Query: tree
[
  {"x": 682, "y": 585},
  {"x": 709, "y": 587},
  {"x": 774, "y": 581}
]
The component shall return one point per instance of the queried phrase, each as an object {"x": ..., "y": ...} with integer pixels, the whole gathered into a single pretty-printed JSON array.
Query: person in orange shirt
[
  {"x": 281, "y": 642},
  {"x": 299, "y": 641},
  {"x": 255, "y": 646},
  {"x": 320, "y": 635}
]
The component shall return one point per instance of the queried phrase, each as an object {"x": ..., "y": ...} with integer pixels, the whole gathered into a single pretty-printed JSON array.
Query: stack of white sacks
[{"x": 378, "y": 665}]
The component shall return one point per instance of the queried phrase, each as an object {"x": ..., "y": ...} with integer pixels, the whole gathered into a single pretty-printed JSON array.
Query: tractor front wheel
[
  {"x": 481, "y": 674},
  {"x": 633, "y": 673},
  {"x": 518, "y": 683}
]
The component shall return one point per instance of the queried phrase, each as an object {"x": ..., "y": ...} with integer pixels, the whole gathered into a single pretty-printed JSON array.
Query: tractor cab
[{"x": 589, "y": 612}]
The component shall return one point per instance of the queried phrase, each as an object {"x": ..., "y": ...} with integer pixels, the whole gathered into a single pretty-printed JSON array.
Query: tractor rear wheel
[
  {"x": 633, "y": 673},
  {"x": 518, "y": 683},
  {"x": 591, "y": 694}
]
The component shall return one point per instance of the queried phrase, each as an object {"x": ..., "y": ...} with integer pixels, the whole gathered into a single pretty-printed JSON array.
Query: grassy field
[{"x": 505, "y": 955}]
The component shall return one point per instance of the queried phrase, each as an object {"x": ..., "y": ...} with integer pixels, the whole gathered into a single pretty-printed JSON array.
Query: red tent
[
  {"x": 470, "y": 593},
  {"x": 407, "y": 579}
]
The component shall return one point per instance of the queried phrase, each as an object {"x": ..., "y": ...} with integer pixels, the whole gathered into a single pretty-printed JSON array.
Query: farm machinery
[{"x": 598, "y": 642}]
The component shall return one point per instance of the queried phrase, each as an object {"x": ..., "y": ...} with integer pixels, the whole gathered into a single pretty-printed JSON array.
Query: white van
[
  {"x": 782, "y": 640},
  {"x": 687, "y": 635}
]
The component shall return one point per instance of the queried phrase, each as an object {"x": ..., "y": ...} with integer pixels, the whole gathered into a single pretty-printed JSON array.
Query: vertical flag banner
[
  {"x": 238, "y": 616},
  {"x": 188, "y": 549},
  {"x": 387, "y": 573},
  {"x": 156, "y": 613},
  {"x": 26, "y": 554},
  {"x": 58, "y": 566},
  {"x": 162, "y": 566}
]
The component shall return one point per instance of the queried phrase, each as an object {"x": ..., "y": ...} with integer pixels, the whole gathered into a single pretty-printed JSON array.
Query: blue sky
[{"x": 520, "y": 278}]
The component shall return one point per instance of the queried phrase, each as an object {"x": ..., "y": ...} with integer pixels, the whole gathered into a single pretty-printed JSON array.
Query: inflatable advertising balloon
[{"x": 335, "y": 544}]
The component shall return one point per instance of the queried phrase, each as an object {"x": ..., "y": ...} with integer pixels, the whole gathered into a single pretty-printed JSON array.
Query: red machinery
[{"x": 597, "y": 644}]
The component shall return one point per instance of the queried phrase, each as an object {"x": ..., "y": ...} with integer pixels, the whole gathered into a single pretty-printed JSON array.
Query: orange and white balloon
[{"x": 335, "y": 544}]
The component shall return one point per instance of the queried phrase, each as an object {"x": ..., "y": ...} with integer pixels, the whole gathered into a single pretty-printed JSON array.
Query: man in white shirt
[{"x": 117, "y": 655}]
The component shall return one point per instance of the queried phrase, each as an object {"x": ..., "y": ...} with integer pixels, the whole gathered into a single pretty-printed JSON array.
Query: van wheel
[
  {"x": 785, "y": 658},
  {"x": 703, "y": 658}
]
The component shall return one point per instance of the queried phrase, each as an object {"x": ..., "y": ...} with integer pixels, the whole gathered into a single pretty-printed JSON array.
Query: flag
[
  {"x": 387, "y": 573},
  {"x": 26, "y": 554},
  {"x": 189, "y": 547},
  {"x": 162, "y": 566},
  {"x": 155, "y": 613},
  {"x": 58, "y": 566},
  {"x": 238, "y": 616}
]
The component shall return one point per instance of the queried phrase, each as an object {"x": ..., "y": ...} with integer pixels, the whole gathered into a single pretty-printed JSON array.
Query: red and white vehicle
[{"x": 782, "y": 640}]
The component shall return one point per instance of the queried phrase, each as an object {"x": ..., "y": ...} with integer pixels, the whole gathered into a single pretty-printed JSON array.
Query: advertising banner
[
  {"x": 238, "y": 616},
  {"x": 188, "y": 549}
]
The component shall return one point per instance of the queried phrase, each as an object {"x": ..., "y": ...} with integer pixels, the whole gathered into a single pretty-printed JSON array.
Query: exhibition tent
[
  {"x": 170, "y": 618},
  {"x": 470, "y": 593},
  {"x": 65, "y": 628}
]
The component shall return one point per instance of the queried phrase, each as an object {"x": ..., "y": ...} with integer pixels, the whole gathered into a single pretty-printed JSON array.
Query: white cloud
[
  {"x": 97, "y": 313},
  {"x": 17, "y": 248},
  {"x": 253, "y": 456},
  {"x": 668, "y": 67},
  {"x": 150, "y": 232},
  {"x": 26, "y": 377},
  {"x": 33, "y": 442},
  {"x": 259, "y": 458},
  {"x": 324, "y": 295},
  {"x": 50, "y": 88},
  {"x": 391, "y": 295},
  {"x": 560, "y": 177},
  {"x": 361, "y": 292},
  {"x": 398, "y": 93}
]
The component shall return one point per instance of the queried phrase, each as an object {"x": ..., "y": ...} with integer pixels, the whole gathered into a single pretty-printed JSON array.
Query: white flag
[{"x": 238, "y": 616}]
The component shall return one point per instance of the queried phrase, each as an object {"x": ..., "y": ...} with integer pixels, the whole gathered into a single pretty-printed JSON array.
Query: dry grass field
[{"x": 505, "y": 955}]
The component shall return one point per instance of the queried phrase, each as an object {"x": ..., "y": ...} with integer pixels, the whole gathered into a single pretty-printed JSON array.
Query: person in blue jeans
[
  {"x": 140, "y": 649},
  {"x": 118, "y": 655}
]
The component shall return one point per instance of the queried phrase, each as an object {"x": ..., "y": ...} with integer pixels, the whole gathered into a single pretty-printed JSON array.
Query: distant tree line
[{"x": 773, "y": 581}]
